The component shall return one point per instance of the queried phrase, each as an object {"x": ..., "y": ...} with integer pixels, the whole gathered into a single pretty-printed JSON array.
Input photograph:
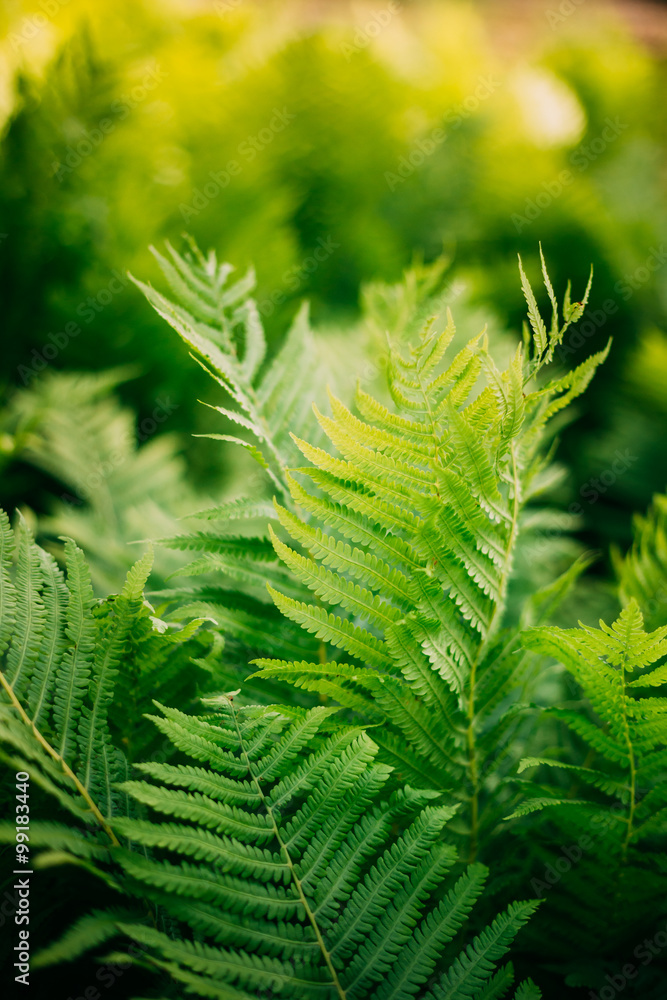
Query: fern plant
[
  {"x": 613, "y": 806},
  {"x": 312, "y": 849},
  {"x": 61, "y": 653},
  {"x": 221, "y": 325},
  {"x": 112, "y": 490},
  {"x": 295, "y": 872},
  {"x": 642, "y": 573},
  {"x": 289, "y": 877},
  {"x": 270, "y": 402},
  {"x": 410, "y": 548}
]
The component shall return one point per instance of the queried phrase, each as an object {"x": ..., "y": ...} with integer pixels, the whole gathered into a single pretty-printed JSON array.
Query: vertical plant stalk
[
  {"x": 633, "y": 767},
  {"x": 496, "y": 616},
  {"x": 290, "y": 865},
  {"x": 83, "y": 792}
]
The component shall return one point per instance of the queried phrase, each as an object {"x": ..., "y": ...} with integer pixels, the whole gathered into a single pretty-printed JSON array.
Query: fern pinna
[
  {"x": 61, "y": 653},
  {"x": 411, "y": 542},
  {"x": 285, "y": 870},
  {"x": 614, "y": 806},
  {"x": 642, "y": 573},
  {"x": 220, "y": 323}
]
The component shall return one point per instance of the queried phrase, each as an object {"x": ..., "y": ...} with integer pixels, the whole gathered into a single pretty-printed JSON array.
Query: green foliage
[
  {"x": 62, "y": 651},
  {"x": 413, "y": 536},
  {"x": 216, "y": 77},
  {"x": 617, "y": 800},
  {"x": 642, "y": 574},
  {"x": 310, "y": 848},
  {"x": 290, "y": 875},
  {"x": 116, "y": 482},
  {"x": 220, "y": 323}
]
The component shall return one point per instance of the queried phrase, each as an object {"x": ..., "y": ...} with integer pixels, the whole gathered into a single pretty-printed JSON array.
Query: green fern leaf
[
  {"x": 299, "y": 880},
  {"x": 423, "y": 507}
]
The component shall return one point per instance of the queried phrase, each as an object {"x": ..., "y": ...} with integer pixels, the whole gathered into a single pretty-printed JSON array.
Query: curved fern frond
[{"x": 220, "y": 323}]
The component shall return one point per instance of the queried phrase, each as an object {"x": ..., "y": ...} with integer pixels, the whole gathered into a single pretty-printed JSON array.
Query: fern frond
[
  {"x": 642, "y": 573},
  {"x": 74, "y": 671},
  {"x": 625, "y": 733},
  {"x": 28, "y": 612},
  {"x": 298, "y": 879},
  {"x": 220, "y": 323},
  {"x": 410, "y": 546},
  {"x": 59, "y": 675},
  {"x": 88, "y": 932},
  {"x": 473, "y": 968},
  {"x": 7, "y": 589}
]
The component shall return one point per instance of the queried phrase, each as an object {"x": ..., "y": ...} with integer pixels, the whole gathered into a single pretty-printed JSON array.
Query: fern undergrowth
[
  {"x": 295, "y": 874},
  {"x": 355, "y": 820}
]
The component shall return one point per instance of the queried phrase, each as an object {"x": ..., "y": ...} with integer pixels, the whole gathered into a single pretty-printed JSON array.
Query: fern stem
[
  {"x": 514, "y": 526},
  {"x": 470, "y": 732},
  {"x": 60, "y": 760},
  {"x": 290, "y": 865},
  {"x": 434, "y": 428},
  {"x": 481, "y": 649},
  {"x": 633, "y": 767},
  {"x": 474, "y": 781}
]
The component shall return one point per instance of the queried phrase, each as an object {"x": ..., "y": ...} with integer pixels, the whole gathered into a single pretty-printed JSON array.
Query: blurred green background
[{"x": 382, "y": 135}]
